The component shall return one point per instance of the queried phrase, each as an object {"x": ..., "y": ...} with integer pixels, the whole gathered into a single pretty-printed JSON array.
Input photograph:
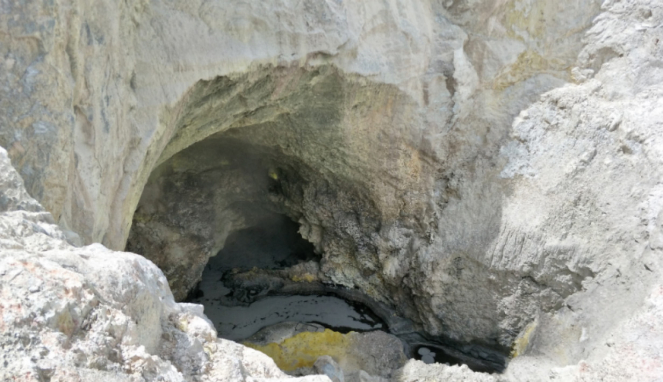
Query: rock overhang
[{"x": 521, "y": 84}]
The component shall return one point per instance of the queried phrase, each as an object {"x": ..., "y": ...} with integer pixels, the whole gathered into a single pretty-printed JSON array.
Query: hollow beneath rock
[
  {"x": 273, "y": 242},
  {"x": 247, "y": 302},
  {"x": 311, "y": 160},
  {"x": 270, "y": 245}
]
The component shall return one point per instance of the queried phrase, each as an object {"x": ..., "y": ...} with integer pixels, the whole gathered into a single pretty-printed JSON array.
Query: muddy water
[
  {"x": 272, "y": 244},
  {"x": 275, "y": 244},
  {"x": 240, "y": 322}
]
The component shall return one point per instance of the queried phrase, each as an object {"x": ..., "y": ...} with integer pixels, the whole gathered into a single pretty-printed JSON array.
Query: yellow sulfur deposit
[
  {"x": 303, "y": 349},
  {"x": 520, "y": 344},
  {"x": 307, "y": 277}
]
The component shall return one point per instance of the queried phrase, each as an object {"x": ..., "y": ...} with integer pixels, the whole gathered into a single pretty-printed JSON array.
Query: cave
[
  {"x": 469, "y": 181},
  {"x": 284, "y": 206}
]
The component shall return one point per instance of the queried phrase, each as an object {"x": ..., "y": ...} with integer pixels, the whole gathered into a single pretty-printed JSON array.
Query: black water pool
[
  {"x": 240, "y": 322},
  {"x": 272, "y": 244}
]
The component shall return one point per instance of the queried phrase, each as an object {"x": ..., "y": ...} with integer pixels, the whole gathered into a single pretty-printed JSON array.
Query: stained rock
[
  {"x": 376, "y": 353},
  {"x": 475, "y": 165}
]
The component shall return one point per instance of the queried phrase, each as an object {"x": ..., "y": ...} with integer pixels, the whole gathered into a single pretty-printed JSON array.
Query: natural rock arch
[
  {"x": 340, "y": 149},
  {"x": 537, "y": 207}
]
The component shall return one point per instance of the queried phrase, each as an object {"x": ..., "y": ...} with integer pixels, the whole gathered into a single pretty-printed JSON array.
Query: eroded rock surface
[
  {"x": 391, "y": 114},
  {"x": 89, "y": 313},
  {"x": 491, "y": 170}
]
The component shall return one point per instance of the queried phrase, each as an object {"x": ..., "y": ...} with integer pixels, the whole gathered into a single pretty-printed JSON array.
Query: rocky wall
[
  {"x": 89, "y": 313},
  {"x": 499, "y": 209}
]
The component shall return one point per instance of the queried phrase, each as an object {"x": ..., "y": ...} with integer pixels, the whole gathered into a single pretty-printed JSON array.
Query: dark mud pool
[
  {"x": 276, "y": 244},
  {"x": 271, "y": 245},
  {"x": 240, "y": 322}
]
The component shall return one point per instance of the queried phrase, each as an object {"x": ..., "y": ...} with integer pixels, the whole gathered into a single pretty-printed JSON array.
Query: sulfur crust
[{"x": 303, "y": 349}]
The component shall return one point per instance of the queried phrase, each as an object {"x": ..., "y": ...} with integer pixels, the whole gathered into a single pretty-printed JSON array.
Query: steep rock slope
[
  {"x": 586, "y": 161},
  {"x": 81, "y": 314}
]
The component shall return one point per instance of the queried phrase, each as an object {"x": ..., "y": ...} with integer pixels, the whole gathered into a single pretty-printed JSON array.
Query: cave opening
[
  {"x": 273, "y": 242},
  {"x": 284, "y": 218},
  {"x": 226, "y": 220}
]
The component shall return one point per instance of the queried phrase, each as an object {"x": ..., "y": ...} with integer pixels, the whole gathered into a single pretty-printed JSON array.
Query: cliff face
[
  {"x": 488, "y": 168},
  {"x": 98, "y": 94}
]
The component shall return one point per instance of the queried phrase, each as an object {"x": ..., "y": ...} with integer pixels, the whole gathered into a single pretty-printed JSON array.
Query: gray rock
[
  {"x": 327, "y": 366},
  {"x": 479, "y": 165},
  {"x": 279, "y": 332},
  {"x": 90, "y": 313}
]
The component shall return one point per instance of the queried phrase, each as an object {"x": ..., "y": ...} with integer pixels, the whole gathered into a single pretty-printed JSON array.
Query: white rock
[
  {"x": 555, "y": 215},
  {"x": 90, "y": 313}
]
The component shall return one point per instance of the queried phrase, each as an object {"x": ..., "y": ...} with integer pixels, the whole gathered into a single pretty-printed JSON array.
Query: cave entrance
[
  {"x": 241, "y": 226},
  {"x": 273, "y": 242},
  {"x": 258, "y": 168},
  {"x": 236, "y": 224}
]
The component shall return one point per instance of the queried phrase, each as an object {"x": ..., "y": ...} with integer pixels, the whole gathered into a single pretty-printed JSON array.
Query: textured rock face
[
  {"x": 452, "y": 188},
  {"x": 388, "y": 148},
  {"x": 89, "y": 313}
]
